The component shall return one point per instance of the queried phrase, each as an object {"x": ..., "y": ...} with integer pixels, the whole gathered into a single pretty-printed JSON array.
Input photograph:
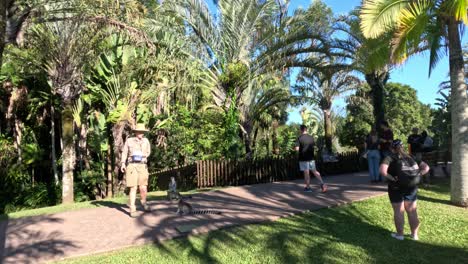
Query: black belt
[{"x": 136, "y": 162}]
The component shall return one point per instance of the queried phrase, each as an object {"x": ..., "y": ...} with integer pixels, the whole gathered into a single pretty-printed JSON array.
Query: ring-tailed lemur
[
  {"x": 172, "y": 193},
  {"x": 184, "y": 208}
]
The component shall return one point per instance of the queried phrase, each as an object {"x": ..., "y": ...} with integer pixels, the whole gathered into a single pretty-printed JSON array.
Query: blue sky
[{"x": 413, "y": 72}]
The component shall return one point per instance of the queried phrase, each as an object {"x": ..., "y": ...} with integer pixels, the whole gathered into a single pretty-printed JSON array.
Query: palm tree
[
  {"x": 262, "y": 109},
  {"x": 16, "y": 15},
  {"x": 367, "y": 56},
  {"x": 66, "y": 46},
  {"x": 12, "y": 18},
  {"x": 231, "y": 45},
  {"x": 322, "y": 88},
  {"x": 430, "y": 25}
]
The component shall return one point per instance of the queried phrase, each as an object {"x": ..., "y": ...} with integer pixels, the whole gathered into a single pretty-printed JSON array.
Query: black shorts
[{"x": 399, "y": 194}]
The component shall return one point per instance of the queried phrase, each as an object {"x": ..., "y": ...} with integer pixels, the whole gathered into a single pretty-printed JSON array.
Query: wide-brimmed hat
[{"x": 140, "y": 128}]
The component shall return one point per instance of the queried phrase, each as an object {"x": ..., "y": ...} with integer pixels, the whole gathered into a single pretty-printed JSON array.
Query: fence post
[
  {"x": 198, "y": 173},
  {"x": 210, "y": 168},
  {"x": 218, "y": 172},
  {"x": 204, "y": 174}
]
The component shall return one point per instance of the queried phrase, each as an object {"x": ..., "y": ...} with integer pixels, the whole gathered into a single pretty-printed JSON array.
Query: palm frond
[
  {"x": 435, "y": 39},
  {"x": 77, "y": 110},
  {"x": 378, "y": 16},
  {"x": 458, "y": 9},
  {"x": 411, "y": 26}
]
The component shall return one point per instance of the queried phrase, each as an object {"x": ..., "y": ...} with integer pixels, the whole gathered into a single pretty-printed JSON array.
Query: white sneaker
[
  {"x": 396, "y": 236},
  {"x": 415, "y": 238}
]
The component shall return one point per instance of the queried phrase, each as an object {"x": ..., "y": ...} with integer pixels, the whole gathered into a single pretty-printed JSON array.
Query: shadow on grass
[
  {"x": 21, "y": 242},
  {"x": 433, "y": 200},
  {"x": 325, "y": 236},
  {"x": 336, "y": 235}
]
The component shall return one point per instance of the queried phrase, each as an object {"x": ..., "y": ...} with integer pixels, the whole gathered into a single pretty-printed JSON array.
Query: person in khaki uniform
[{"x": 134, "y": 157}]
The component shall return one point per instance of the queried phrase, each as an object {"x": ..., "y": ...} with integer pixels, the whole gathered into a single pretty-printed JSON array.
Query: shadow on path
[
  {"x": 41, "y": 243},
  {"x": 118, "y": 206}
]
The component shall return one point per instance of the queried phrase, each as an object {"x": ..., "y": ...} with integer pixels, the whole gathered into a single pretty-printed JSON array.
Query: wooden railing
[{"x": 211, "y": 173}]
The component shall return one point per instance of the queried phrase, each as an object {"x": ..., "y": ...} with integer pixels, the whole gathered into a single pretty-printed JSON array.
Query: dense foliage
[
  {"x": 404, "y": 111},
  {"x": 209, "y": 80}
]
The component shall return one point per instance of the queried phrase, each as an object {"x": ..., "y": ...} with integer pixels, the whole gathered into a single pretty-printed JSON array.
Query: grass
[
  {"x": 355, "y": 233},
  {"x": 157, "y": 195}
]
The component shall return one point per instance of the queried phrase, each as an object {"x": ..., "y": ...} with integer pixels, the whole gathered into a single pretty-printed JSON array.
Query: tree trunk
[
  {"x": 68, "y": 154},
  {"x": 254, "y": 140},
  {"x": 52, "y": 135},
  {"x": 117, "y": 135},
  {"x": 246, "y": 132},
  {"x": 83, "y": 146},
  {"x": 109, "y": 172},
  {"x": 377, "y": 81},
  {"x": 328, "y": 130},
  {"x": 266, "y": 137},
  {"x": 18, "y": 134},
  {"x": 459, "y": 177},
  {"x": 274, "y": 137},
  {"x": 3, "y": 22}
]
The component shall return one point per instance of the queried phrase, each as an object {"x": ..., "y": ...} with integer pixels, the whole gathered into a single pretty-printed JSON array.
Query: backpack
[
  {"x": 407, "y": 172},
  {"x": 428, "y": 144}
]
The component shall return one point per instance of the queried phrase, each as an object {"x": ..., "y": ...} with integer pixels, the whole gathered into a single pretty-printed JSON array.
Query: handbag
[{"x": 364, "y": 155}]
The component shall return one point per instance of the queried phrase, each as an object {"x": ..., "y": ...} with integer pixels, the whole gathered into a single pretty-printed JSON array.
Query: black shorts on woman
[{"x": 399, "y": 194}]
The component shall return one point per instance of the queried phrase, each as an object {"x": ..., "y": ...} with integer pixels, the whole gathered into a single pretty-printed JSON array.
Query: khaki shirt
[{"x": 134, "y": 145}]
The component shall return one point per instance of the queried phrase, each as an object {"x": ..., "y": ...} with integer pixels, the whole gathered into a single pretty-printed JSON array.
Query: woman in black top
[{"x": 401, "y": 191}]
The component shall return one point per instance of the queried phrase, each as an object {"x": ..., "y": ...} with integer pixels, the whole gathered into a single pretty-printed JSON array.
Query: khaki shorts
[{"x": 136, "y": 175}]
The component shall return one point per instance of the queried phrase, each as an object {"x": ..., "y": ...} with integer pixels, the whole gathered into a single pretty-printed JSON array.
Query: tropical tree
[
  {"x": 232, "y": 47},
  {"x": 367, "y": 56},
  {"x": 441, "y": 123},
  {"x": 17, "y": 15},
  {"x": 322, "y": 88},
  {"x": 310, "y": 118},
  {"x": 432, "y": 25},
  {"x": 12, "y": 16},
  {"x": 404, "y": 111},
  {"x": 359, "y": 117},
  {"x": 66, "y": 46}
]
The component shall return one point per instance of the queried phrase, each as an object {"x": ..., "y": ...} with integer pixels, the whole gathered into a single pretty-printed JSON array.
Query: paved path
[{"x": 51, "y": 237}]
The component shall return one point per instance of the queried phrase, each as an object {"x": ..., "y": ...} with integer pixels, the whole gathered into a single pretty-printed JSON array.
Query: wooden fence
[
  {"x": 186, "y": 177},
  {"x": 211, "y": 173}
]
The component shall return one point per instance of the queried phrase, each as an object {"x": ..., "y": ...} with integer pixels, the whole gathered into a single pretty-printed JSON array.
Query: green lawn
[
  {"x": 89, "y": 204},
  {"x": 356, "y": 233}
]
